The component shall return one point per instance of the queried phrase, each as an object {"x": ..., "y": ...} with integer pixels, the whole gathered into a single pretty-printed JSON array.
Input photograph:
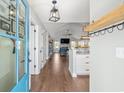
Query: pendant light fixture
[{"x": 54, "y": 13}]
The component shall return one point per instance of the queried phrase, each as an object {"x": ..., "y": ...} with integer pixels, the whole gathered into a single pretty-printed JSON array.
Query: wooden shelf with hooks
[
  {"x": 113, "y": 17},
  {"x": 85, "y": 46},
  {"x": 85, "y": 38}
]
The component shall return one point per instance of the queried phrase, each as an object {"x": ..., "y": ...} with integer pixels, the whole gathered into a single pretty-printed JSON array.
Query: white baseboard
[
  {"x": 74, "y": 75},
  {"x": 37, "y": 72}
]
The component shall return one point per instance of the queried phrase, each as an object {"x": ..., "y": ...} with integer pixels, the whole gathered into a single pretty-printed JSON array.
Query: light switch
[{"x": 120, "y": 53}]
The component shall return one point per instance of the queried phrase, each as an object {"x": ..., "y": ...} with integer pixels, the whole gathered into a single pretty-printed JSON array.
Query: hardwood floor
[{"x": 55, "y": 77}]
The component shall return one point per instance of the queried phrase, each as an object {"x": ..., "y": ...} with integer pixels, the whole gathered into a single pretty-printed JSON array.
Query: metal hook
[
  {"x": 103, "y": 32},
  {"x": 92, "y": 35},
  {"x": 110, "y": 31},
  {"x": 119, "y": 27},
  {"x": 96, "y": 34}
]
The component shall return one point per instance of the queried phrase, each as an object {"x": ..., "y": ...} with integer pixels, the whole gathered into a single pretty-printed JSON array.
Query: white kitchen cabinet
[
  {"x": 82, "y": 64},
  {"x": 79, "y": 63}
]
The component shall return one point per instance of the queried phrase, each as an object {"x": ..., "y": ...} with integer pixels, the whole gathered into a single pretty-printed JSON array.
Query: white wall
[
  {"x": 45, "y": 48},
  {"x": 36, "y": 20},
  {"x": 47, "y": 45},
  {"x": 40, "y": 48},
  {"x": 106, "y": 68}
]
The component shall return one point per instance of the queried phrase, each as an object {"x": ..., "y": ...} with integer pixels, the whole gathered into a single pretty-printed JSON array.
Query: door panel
[
  {"x": 14, "y": 27},
  {"x": 31, "y": 48},
  {"x": 7, "y": 64},
  {"x": 21, "y": 59},
  {"x": 7, "y": 46},
  {"x": 21, "y": 40}
]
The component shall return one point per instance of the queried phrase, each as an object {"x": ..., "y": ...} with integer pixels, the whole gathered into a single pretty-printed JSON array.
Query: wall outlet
[{"x": 120, "y": 53}]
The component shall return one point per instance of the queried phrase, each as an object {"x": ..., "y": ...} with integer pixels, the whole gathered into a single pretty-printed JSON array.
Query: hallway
[{"x": 55, "y": 77}]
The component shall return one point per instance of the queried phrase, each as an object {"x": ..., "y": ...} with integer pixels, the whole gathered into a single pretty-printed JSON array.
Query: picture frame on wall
[{"x": 5, "y": 26}]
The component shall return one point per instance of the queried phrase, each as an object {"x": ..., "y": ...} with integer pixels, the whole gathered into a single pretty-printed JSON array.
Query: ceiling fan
[{"x": 67, "y": 33}]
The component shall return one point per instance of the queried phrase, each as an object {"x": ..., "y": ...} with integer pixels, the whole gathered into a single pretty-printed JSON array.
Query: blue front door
[{"x": 14, "y": 29}]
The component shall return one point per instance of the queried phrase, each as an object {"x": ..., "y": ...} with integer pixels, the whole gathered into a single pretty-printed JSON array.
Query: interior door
[
  {"x": 31, "y": 49},
  {"x": 14, "y": 22},
  {"x": 22, "y": 50}
]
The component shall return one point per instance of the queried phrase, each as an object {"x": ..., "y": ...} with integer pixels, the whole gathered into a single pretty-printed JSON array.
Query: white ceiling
[
  {"x": 59, "y": 30},
  {"x": 74, "y": 14},
  {"x": 70, "y": 10}
]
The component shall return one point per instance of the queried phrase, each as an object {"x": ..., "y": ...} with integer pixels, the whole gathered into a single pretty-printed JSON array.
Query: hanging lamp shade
[{"x": 54, "y": 13}]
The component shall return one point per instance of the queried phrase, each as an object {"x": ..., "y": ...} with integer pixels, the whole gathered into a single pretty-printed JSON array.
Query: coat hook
[
  {"x": 103, "y": 32},
  {"x": 96, "y": 34},
  {"x": 110, "y": 31},
  {"x": 121, "y": 27}
]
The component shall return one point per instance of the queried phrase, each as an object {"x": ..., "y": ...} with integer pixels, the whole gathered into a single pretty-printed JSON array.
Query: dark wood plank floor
[{"x": 55, "y": 77}]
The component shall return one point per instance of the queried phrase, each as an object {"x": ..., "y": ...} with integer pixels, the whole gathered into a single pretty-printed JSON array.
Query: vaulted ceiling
[
  {"x": 74, "y": 14},
  {"x": 59, "y": 30}
]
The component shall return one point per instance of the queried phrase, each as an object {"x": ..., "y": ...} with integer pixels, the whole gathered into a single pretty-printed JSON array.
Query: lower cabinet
[
  {"x": 79, "y": 63},
  {"x": 82, "y": 65}
]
